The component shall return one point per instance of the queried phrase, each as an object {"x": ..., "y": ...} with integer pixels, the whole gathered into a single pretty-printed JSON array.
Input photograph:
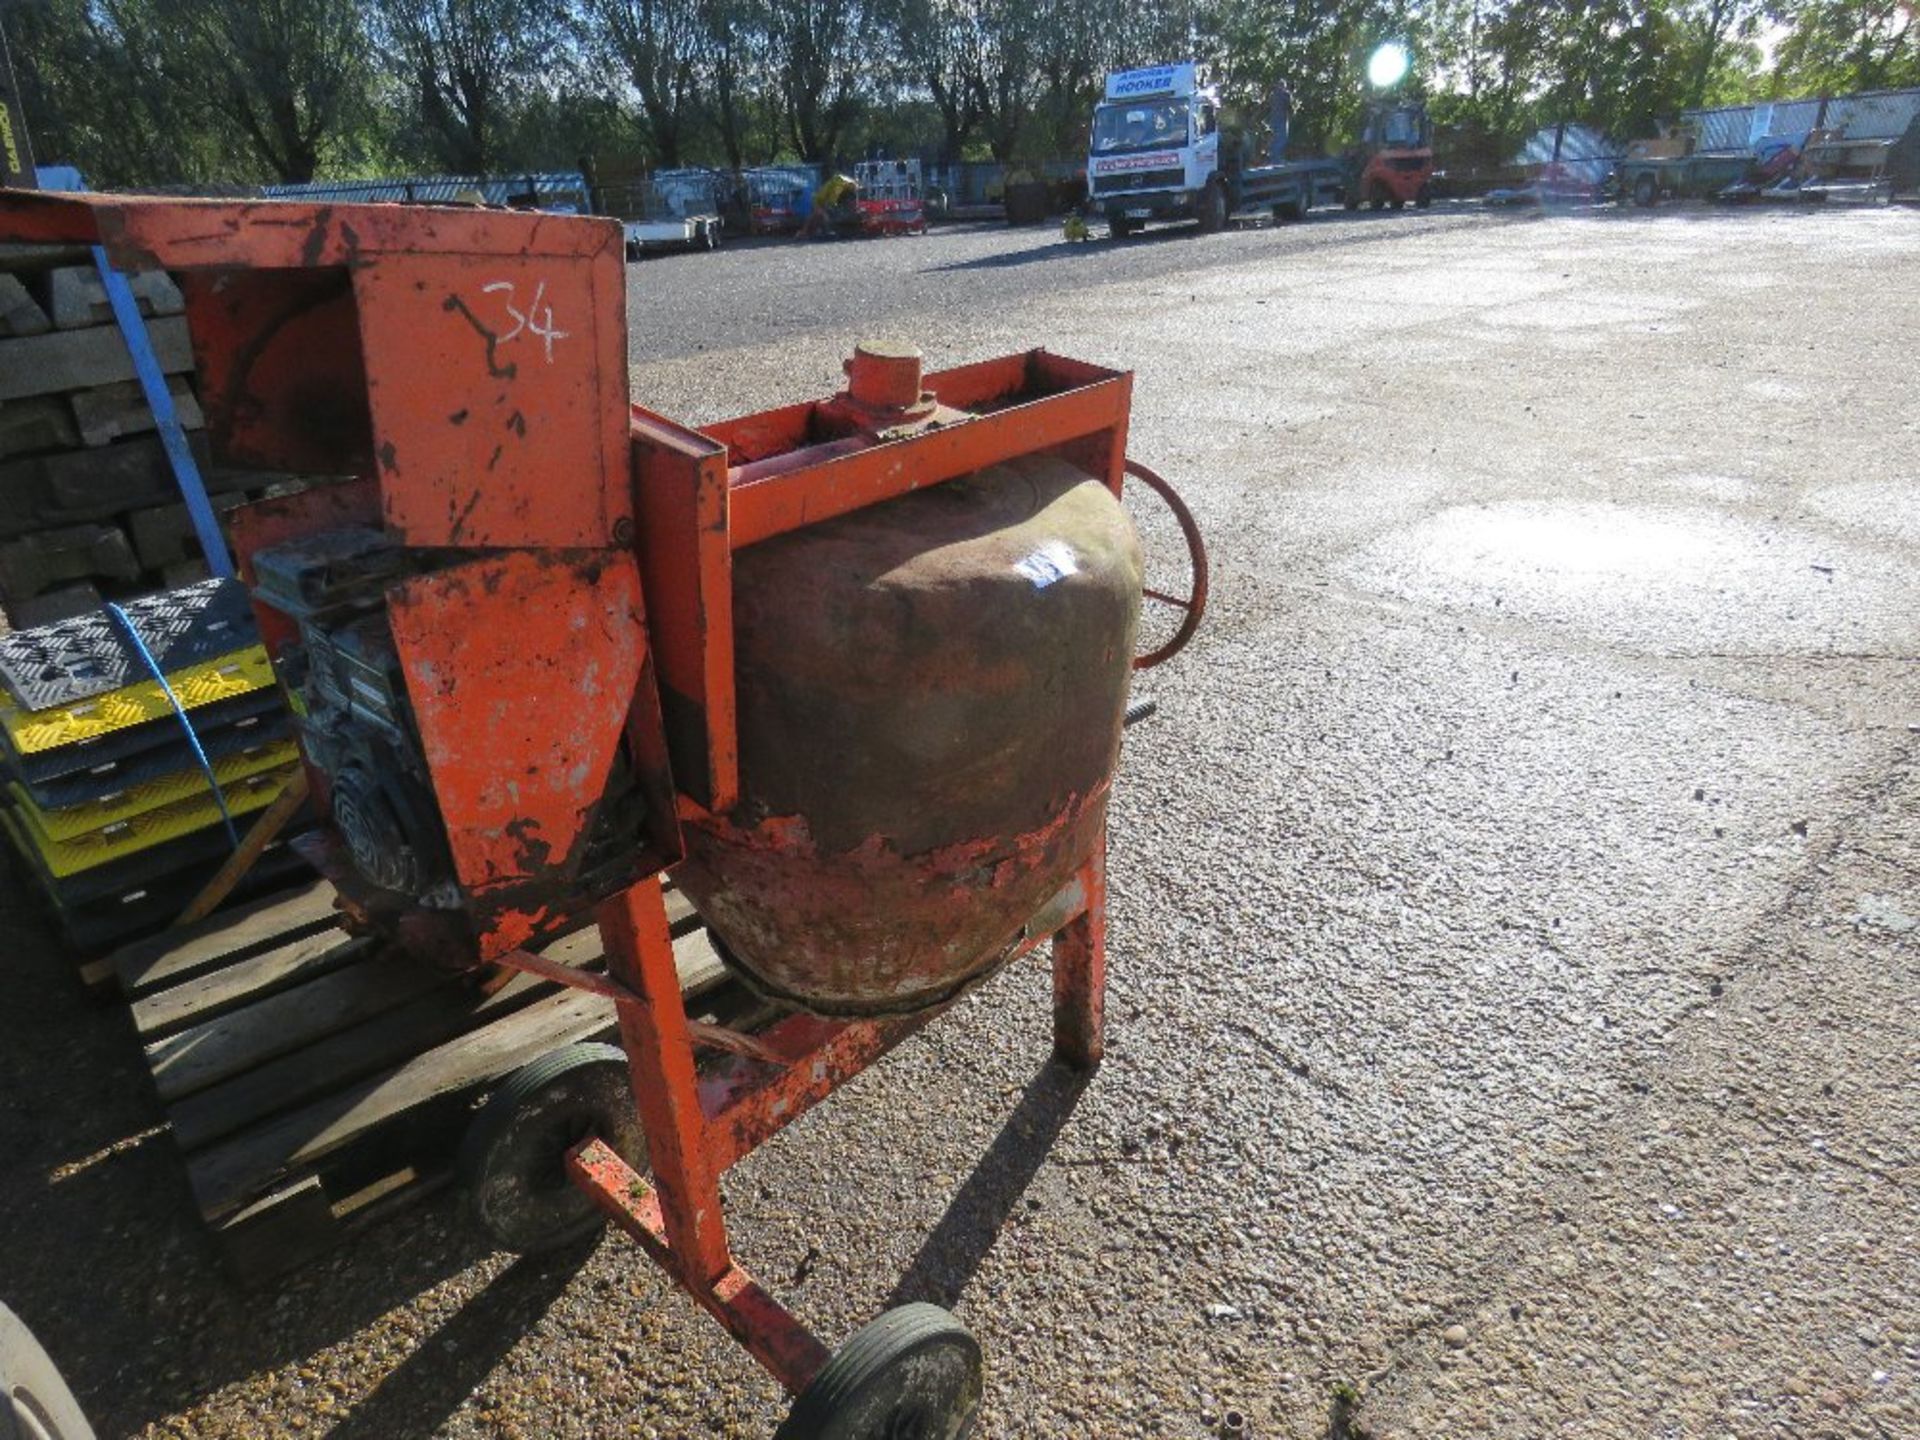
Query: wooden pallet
[{"x": 313, "y": 1085}]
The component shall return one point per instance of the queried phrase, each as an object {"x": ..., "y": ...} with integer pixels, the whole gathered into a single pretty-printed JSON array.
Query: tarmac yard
[{"x": 1516, "y": 899}]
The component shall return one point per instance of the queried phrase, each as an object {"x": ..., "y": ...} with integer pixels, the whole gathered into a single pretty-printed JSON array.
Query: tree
[
  {"x": 660, "y": 45},
  {"x": 1717, "y": 40},
  {"x": 283, "y": 74},
  {"x": 1836, "y": 46},
  {"x": 466, "y": 64},
  {"x": 820, "y": 51},
  {"x": 103, "y": 92},
  {"x": 734, "y": 73},
  {"x": 941, "y": 46}
]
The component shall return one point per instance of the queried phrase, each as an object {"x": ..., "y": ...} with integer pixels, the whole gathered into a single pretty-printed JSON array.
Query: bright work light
[{"x": 1387, "y": 65}]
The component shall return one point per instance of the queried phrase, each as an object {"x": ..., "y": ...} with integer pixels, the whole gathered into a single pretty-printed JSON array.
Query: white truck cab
[
  {"x": 1155, "y": 146},
  {"x": 1157, "y": 153}
]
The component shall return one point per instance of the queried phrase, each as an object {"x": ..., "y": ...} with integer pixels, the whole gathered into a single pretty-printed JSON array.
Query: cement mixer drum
[{"x": 931, "y": 694}]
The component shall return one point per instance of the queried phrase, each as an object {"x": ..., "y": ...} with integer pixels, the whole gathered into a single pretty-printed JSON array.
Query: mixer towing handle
[{"x": 1195, "y": 603}]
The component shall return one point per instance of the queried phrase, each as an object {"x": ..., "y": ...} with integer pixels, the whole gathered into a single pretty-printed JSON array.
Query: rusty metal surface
[
  {"x": 930, "y": 700},
  {"x": 686, "y": 568},
  {"x": 659, "y": 1046},
  {"x": 1193, "y": 605},
  {"x": 804, "y": 478},
  {"x": 747, "y": 1100},
  {"x": 498, "y": 390},
  {"x": 521, "y": 670},
  {"x": 701, "y": 1121},
  {"x": 1080, "y": 973},
  {"x": 760, "y": 1323},
  {"x": 489, "y": 387}
]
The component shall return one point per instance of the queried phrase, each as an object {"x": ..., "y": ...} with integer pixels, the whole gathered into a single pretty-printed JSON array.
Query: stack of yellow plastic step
[{"x": 107, "y": 803}]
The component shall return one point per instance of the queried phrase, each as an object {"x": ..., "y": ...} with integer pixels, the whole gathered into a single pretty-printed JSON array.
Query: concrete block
[
  {"x": 44, "y": 422},
  {"x": 81, "y": 359},
  {"x": 30, "y": 256},
  {"x": 36, "y": 563},
  {"x": 106, "y": 412},
  {"x": 20, "y": 313},
  {"x": 54, "y": 606},
  {"x": 76, "y": 297},
  {"x": 164, "y": 535},
  {"x": 77, "y": 484}
]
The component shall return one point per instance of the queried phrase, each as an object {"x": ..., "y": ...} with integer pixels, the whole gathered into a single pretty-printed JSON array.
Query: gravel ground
[{"x": 1514, "y": 920}]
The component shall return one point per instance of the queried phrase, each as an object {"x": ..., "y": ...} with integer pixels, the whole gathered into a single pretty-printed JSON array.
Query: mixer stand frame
[{"x": 700, "y": 1121}]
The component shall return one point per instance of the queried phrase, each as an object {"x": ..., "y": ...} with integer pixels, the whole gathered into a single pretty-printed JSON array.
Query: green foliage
[
  {"x": 1833, "y": 47},
  {"x": 206, "y": 91}
]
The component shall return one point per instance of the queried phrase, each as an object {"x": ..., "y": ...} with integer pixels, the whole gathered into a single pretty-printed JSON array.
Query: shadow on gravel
[
  {"x": 101, "y": 1251},
  {"x": 429, "y": 1385},
  {"x": 1059, "y": 250},
  {"x": 946, "y": 1262}
]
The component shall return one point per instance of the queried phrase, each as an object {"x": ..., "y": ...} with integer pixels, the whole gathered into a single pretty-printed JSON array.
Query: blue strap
[
  {"x": 153, "y": 384},
  {"x": 180, "y": 714}
]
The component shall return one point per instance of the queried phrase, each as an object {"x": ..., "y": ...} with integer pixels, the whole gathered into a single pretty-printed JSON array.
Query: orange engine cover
[{"x": 930, "y": 699}]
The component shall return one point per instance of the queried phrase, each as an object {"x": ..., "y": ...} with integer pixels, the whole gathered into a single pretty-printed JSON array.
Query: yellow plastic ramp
[
  {"x": 71, "y": 821},
  {"x": 29, "y": 732},
  {"x": 70, "y": 856}
]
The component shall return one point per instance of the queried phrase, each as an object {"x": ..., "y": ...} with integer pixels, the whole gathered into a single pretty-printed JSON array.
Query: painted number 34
[{"x": 535, "y": 319}]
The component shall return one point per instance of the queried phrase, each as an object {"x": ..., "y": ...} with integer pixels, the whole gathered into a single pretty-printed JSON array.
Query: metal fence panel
[
  {"x": 1875, "y": 115},
  {"x": 546, "y": 186},
  {"x": 1582, "y": 152},
  {"x": 1881, "y": 116},
  {"x": 1725, "y": 129}
]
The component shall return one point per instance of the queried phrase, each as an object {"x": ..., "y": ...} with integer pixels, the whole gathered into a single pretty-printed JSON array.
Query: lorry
[
  {"x": 1393, "y": 163},
  {"x": 1158, "y": 151}
]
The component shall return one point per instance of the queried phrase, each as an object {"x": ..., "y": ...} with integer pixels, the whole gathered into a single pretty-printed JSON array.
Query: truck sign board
[{"x": 1178, "y": 79}]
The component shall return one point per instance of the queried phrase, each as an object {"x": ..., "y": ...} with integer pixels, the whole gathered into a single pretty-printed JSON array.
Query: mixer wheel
[
  {"x": 513, "y": 1156},
  {"x": 913, "y": 1374}
]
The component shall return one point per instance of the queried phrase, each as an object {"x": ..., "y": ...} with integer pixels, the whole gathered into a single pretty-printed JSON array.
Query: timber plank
[
  {"x": 244, "y": 982},
  {"x": 228, "y": 1173},
  {"x": 236, "y": 1042},
  {"x": 281, "y": 1230},
  {"x": 236, "y": 934},
  {"x": 445, "y": 1010}
]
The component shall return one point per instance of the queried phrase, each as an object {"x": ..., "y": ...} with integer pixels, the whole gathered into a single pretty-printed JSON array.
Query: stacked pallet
[
  {"x": 107, "y": 803},
  {"x": 314, "y": 1083},
  {"x": 89, "y": 505}
]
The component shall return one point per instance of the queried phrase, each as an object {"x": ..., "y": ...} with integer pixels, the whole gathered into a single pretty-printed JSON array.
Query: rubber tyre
[
  {"x": 35, "y": 1403},
  {"x": 1645, "y": 192},
  {"x": 1350, "y": 202},
  {"x": 1120, "y": 227},
  {"x": 1213, "y": 210},
  {"x": 913, "y": 1374},
  {"x": 1397, "y": 203},
  {"x": 1424, "y": 198},
  {"x": 513, "y": 1157},
  {"x": 1287, "y": 214}
]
